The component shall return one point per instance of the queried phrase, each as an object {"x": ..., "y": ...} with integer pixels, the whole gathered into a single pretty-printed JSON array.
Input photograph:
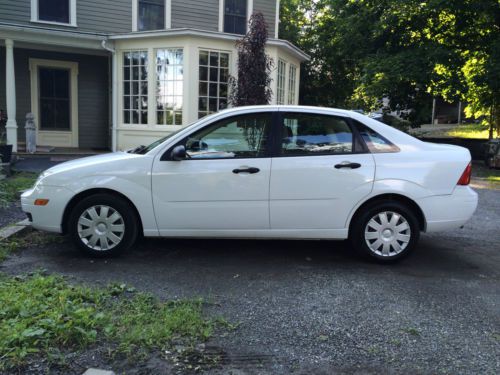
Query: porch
[{"x": 64, "y": 80}]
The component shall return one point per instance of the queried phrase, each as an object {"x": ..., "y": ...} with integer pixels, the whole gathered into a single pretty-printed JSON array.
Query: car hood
[{"x": 89, "y": 162}]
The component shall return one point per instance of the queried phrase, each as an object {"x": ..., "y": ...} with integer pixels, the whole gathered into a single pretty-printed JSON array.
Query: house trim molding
[{"x": 58, "y": 138}]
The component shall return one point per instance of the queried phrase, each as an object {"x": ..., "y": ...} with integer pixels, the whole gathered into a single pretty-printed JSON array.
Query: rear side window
[
  {"x": 312, "y": 134},
  {"x": 375, "y": 142}
]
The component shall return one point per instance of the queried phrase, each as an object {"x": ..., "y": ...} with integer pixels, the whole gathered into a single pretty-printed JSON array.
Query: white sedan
[{"x": 286, "y": 172}]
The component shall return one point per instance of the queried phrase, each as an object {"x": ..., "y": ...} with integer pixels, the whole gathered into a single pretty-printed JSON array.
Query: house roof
[
  {"x": 38, "y": 34},
  {"x": 292, "y": 49}
]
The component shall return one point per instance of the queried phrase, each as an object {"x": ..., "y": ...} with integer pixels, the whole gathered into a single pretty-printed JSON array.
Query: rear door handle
[
  {"x": 250, "y": 170},
  {"x": 347, "y": 164}
]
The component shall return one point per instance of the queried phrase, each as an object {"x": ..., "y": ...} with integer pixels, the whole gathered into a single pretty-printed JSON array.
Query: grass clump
[
  {"x": 45, "y": 316},
  {"x": 11, "y": 186},
  {"x": 34, "y": 238},
  {"x": 472, "y": 131}
]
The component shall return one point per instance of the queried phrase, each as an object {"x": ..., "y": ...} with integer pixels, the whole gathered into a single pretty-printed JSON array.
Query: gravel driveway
[{"x": 311, "y": 307}]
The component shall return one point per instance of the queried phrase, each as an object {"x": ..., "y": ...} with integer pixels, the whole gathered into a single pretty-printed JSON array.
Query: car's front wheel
[
  {"x": 385, "y": 231},
  {"x": 103, "y": 225}
]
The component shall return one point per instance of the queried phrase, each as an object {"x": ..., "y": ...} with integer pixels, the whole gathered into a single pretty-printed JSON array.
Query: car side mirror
[{"x": 179, "y": 153}]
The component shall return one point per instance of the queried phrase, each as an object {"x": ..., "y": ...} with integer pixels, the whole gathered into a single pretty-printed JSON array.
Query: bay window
[
  {"x": 292, "y": 80},
  {"x": 213, "y": 82},
  {"x": 169, "y": 86},
  {"x": 135, "y": 87},
  {"x": 280, "y": 91}
]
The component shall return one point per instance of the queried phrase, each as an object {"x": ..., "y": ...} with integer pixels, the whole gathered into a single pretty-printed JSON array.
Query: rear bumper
[
  {"x": 444, "y": 212},
  {"x": 49, "y": 217}
]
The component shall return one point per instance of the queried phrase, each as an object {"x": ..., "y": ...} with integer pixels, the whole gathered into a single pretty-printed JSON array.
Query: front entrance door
[{"x": 54, "y": 102}]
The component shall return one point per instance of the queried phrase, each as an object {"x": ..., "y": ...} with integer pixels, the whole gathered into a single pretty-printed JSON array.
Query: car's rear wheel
[
  {"x": 385, "y": 231},
  {"x": 103, "y": 225}
]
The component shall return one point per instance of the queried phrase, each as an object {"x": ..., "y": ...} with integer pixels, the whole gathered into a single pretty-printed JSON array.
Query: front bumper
[
  {"x": 49, "y": 217},
  {"x": 444, "y": 212}
]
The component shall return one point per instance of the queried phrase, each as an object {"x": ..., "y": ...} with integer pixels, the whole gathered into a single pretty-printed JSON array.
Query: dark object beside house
[
  {"x": 492, "y": 153},
  {"x": 5, "y": 149}
]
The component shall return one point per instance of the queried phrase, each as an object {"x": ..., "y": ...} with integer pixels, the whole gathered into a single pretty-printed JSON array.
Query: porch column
[{"x": 10, "y": 95}]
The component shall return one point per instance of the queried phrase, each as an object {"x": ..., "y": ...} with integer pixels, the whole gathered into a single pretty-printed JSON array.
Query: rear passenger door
[{"x": 321, "y": 172}]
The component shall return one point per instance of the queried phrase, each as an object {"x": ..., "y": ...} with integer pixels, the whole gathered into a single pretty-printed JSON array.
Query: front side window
[
  {"x": 54, "y": 11},
  {"x": 235, "y": 16},
  {"x": 244, "y": 136},
  {"x": 151, "y": 15},
  {"x": 169, "y": 86},
  {"x": 135, "y": 87},
  {"x": 280, "y": 95},
  {"x": 54, "y": 86},
  {"x": 312, "y": 134},
  {"x": 214, "y": 77}
]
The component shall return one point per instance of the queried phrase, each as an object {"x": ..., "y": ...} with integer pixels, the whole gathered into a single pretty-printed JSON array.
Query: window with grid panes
[
  {"x": 292, "y": 80},
  {"x": 135, "y": 87},
  {"x": 280, "y": 94},
  {"x": 169, "y": 86},
  {"x": 213, "y": 80}
]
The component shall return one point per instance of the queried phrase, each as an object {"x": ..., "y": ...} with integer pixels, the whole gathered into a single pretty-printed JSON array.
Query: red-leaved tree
[{"x": 252, "y": 84}]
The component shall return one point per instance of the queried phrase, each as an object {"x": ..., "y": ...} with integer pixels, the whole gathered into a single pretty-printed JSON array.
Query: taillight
[{"x": 465, "y": 178}]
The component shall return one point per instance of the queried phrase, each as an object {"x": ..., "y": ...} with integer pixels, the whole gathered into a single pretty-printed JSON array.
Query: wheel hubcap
[
  {"x": 387, "y": 233},
  {"x": 101, "y": 227}
]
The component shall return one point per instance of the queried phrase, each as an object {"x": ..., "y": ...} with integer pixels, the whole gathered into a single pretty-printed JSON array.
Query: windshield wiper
[{"x": 138, "y": 149}]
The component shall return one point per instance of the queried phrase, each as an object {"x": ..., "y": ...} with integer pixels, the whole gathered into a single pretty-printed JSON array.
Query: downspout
[{"x": 114, "y": 95}]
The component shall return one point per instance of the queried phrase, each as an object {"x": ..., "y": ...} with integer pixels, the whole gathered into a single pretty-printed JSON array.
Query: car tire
[
  {"x": 103, "y": 225},
  {"x": 385, "y": 231}
]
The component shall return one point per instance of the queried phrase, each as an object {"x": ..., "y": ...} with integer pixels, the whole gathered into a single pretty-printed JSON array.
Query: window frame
[
  {"x": 271, "y": 138},
  {"x": 248, "y": 7},
  {"x": 139, "y": 125},
  {"x": 72, "y": 14},
  {"x": 183, "y": 66},
  {"x": 281, "y": 82},
  {"x": 208, "y": 81},
  {"x": 167, "y": 17},
  {"x": 358, "y": 144}
]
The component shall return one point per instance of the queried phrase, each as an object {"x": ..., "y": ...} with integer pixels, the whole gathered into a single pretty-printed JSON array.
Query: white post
[
  {"x": 459, "y": 112},
  {"x": 433, "y": 117},
  {"x": 114, "y": 101},
  {"x": 10, "y": 95}
]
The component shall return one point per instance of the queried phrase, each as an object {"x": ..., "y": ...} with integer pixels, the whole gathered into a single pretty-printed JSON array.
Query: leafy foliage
[
  {"x": 252, "y": 85},
  {"x": 405, "y": 50},
  {"x": 46, "y": 316},
  {"x": 10, "y": 187}
]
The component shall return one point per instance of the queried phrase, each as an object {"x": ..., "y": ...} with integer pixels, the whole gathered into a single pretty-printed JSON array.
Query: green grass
[
  {"x": 10, "y": 187},
  {"x": 35, "y": 238},
  {"x": 475, "y": 131},
  {"x": 46, "y": 316}
]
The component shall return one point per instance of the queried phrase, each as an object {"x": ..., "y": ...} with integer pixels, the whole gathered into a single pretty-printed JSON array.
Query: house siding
[
  {"x": 268, "y": 9},
  {"x": 110, "y": 16},
  {"x": 93, "y": 95},
  {"x": 197, "y": 14}
]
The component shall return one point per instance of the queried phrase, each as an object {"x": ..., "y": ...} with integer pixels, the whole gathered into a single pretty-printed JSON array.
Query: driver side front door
[{"x": 223, "y": 185}]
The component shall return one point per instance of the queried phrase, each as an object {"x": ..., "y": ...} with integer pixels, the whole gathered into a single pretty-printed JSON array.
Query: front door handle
[
  {"x": 250, "y": 170},
  {"x": 347, "y": 164}
]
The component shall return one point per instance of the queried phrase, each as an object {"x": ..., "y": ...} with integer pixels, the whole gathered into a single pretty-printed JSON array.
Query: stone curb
[
  {"x": 17, "y": 228},
  {"x": 96, "y": 371}
]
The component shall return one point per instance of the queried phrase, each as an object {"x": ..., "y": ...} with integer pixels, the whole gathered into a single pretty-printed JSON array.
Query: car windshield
[{"x": 145, "y": 149}]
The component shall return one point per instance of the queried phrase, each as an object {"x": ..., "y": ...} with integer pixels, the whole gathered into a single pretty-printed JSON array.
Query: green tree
[{"x": 405, "y": 50}]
